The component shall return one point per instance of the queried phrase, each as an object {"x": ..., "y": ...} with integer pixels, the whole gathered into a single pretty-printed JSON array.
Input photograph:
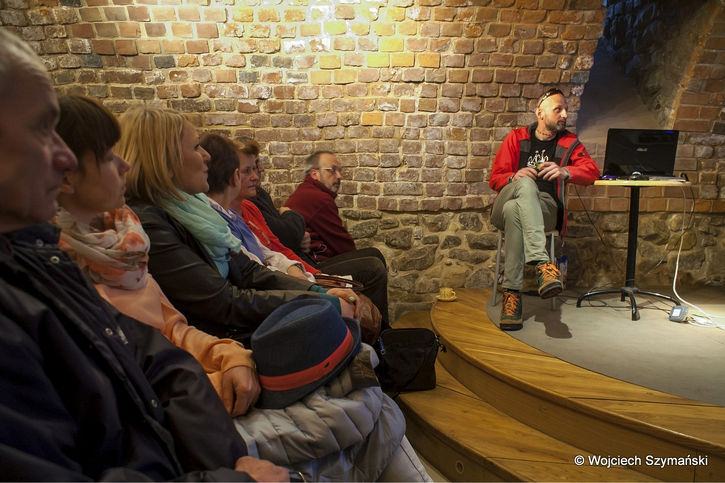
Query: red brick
[
  {"x": 106, "y": 29},
  {"x": 83, "y": 30},
  {"x": 207, "y": 30},
  {"x": 155, "y": 29},
  {"x": 138, "y": 13},
  {"x": 126, "y": 47},
  {"x": 103, "y": 47},
  {"x": 197, "y": 46}
]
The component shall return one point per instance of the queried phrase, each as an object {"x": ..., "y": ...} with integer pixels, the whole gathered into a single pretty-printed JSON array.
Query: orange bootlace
[
  {"x": 549, "y": 270},
  {"x": 510, "y": 303}
]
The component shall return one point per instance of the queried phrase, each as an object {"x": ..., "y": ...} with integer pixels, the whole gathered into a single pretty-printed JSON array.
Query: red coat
[
  {"x": 256, "y": 222},
  {"x": 317, "y": 206},
  {"x": 570, "y": 153}
]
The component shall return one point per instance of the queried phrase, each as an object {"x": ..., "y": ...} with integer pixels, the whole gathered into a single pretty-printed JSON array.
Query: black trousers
[{"x": 368, "y": 267}]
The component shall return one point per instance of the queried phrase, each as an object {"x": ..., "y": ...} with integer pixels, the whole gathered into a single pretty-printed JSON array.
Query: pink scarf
[{"x": 112, "y": 250}]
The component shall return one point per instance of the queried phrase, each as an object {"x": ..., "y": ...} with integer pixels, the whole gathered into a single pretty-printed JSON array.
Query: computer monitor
[{"x": 650, "y": 152}]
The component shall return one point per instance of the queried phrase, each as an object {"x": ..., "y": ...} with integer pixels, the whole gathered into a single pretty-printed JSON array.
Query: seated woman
[
  {"x": 193, "y": 255},
  {"x": 225, "y": 156},
  {"x": 107, "y": 241},
  {"x": 348, "y": 430},
  {"x": 228, "y": 180}
]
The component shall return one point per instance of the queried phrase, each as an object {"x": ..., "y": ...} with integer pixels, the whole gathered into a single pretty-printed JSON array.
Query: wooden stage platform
[{"x": 506, "y": 411}]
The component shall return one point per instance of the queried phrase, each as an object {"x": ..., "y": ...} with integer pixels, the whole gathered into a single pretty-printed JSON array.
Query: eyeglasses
[
  {"x": 333, "y": 170},
  {"x": 549, "y": 93}
]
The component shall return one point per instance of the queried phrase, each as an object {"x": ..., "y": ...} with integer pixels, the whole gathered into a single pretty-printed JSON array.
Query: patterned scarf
[
  {"x": 112, "y": 250},
  {"x": 207, "y": 226}
]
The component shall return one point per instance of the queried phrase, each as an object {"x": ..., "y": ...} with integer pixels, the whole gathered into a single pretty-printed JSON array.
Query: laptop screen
[{"x": 648, "y": 151}]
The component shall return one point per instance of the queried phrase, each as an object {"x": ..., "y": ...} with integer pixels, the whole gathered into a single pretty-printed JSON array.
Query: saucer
[{"x": 446, "y": 299}]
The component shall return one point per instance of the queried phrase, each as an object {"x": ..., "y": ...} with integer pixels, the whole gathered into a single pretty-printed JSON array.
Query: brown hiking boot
[
  {"x": 547, "y": 276},
  {"x": 511, "y": 311}
]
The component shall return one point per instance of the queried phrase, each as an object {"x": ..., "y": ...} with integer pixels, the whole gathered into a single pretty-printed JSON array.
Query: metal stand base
[{"x": 627, "y": 292}]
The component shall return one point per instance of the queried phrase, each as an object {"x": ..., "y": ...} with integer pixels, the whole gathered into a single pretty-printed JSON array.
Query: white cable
[{"x": 708, "y": 322}]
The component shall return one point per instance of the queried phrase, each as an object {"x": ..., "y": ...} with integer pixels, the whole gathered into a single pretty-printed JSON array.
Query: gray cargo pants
[{"x": 524, "y": 214}]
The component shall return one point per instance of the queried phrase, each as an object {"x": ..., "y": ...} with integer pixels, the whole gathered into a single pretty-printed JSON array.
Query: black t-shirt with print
[{"x": 541, "y": 152}]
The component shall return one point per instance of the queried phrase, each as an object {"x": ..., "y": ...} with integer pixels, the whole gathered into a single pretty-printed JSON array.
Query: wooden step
[
  {"x": 467, "y": 439},
  {"x": 588, "y": 410}
]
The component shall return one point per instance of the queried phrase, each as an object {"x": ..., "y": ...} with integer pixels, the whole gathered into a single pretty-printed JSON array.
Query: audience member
[
  {"x": 314, "y": 199},
  {"x": 232, "y": 177},
  {"x": 106, "y": 239},
  {"x": 530, "y": 171},
  {"x": 85, "y": 392},
  {"x": 229, "y": 179},
  {"x": 287, "y": 224},
  {"x": 193, "y": 255},
  {"x": 366, "y": 266}
]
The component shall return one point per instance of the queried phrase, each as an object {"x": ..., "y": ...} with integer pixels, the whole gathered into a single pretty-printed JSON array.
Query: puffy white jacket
[{"x": 347, "y": 430}]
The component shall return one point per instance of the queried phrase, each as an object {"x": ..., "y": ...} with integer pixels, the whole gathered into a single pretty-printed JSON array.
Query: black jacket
[
  {"x": 232, "y": 307},
  {"x": 288, "y": 226},
  {"x": 88, "y": 393}
]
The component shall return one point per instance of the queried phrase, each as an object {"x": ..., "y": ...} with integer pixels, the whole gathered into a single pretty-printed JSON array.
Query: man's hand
[
  {"x": 284, "y": 209},
  {"x": 526, "y": 172},
  {"x": 551, "y": 171},
  {"x": 344, "y": 293},
  {"x": 296, "y": 272},
  {"x": 240, "y": 389},
  {"x": 306, "y": 242},
  {"x": 261, "y": 470}
]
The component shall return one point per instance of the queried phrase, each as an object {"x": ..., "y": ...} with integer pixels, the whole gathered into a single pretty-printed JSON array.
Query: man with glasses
[
  {"x": 314, "y": 199},
  {"x": 529, "y": 173}
]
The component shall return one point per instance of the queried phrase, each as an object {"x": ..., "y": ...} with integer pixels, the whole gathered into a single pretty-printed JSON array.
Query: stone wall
[{"x": 414, "y": 95}]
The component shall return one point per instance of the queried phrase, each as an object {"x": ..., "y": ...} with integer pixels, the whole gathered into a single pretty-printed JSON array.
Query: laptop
[{"x": 649, "y": 152}]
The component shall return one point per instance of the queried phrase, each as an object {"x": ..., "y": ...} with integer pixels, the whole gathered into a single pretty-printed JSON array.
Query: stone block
[
  {"x": 416, "y": 259},
  {"x": 308, "y": 30},
  {"x": 335, "y": 27},
  {"x": 429, "y": 59}
]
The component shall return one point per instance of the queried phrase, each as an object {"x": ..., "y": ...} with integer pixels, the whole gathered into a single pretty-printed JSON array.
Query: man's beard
[{"x": 555, "y": 126}]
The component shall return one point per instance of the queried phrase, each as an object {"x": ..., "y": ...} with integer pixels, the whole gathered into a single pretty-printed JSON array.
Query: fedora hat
[{"x": 299, "y": 347}]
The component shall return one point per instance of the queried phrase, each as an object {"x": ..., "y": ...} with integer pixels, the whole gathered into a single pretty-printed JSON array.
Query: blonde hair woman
[{"x": 193, "y": 256}]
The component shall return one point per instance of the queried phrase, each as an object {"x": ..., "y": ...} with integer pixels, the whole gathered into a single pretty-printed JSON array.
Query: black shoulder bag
[{"x": 407, "y": 360}]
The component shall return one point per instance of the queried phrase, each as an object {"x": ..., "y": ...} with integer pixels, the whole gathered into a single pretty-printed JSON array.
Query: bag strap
[{"x": 332, "y": 281}]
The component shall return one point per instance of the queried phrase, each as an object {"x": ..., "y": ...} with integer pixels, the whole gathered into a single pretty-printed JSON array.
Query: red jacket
[
  {"x": 570, "y": 153},
  {"x": 317, "y": 206},
  {"x": 256, "y": 222}
]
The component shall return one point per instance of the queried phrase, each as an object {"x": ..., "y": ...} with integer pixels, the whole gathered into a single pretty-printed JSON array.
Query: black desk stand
[{"x": 629, "y": 290}]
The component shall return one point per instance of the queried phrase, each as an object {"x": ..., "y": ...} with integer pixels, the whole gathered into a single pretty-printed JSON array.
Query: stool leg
[
  {"x": 552, "y": 255},
  {"x": 494, "y": 295}
]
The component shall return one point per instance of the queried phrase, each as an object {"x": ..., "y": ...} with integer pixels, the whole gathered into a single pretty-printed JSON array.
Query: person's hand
[
  {"x": 344, "y": 293},
  {"x": 261, "y": 470},
  {"x": 296, "y": 272},
  {"x": 550, "y": 171},
  {"x": 306, "y": 242},
  {"x": 240, "y": 389},
  {"x": 525, "y": 172},
  {"x": 284, "y": 209}
]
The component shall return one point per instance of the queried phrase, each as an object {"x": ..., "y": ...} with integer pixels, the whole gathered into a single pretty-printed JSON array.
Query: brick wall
[
  {"x": 414, "y": 95},
  {"x": 674, "y": 53}
]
